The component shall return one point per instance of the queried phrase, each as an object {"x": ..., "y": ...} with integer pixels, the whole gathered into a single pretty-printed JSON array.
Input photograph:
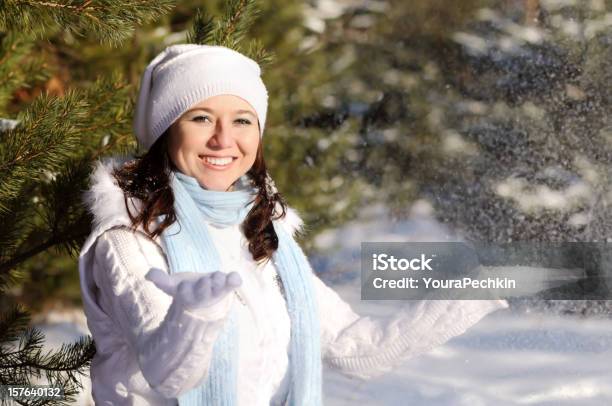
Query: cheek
[
  {"x": 183, "y": 145},
  {"x": 181, "y": 148},
  {"x": 250, "y": 145}
]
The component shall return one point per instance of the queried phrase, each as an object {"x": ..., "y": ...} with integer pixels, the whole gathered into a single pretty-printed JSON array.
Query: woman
[{"x": 193, "y": 286}]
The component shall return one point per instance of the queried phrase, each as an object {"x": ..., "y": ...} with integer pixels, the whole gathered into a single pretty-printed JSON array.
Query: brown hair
[{"x": 147, "y": 178}]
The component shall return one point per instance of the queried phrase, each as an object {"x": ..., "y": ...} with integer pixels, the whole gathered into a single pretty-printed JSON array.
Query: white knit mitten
[{"x": 195, "y": 290}]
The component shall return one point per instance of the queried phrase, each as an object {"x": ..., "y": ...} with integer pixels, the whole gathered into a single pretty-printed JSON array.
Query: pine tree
[{"x": 47, "y": 145}]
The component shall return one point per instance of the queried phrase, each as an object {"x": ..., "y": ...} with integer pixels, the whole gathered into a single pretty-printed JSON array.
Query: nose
[{"x": 222, "y": 137}]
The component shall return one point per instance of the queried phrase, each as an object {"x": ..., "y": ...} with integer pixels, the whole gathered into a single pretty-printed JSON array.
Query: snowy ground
[
  {"x": 506, "y": 359},
  {"x": 509, "y": 358}
]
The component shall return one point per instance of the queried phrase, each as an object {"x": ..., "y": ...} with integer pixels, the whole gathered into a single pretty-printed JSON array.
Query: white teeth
[{"x": 218, "y": 161}]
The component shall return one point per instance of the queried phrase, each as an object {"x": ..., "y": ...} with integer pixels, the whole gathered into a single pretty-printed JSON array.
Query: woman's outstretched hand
[{"x": 194, "y": 289}]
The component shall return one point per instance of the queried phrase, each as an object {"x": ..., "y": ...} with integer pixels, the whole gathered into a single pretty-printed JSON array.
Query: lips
[{"x": 217, "y": 162}]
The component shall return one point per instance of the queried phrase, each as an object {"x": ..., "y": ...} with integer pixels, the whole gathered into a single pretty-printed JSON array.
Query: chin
[{"x": 221, "y": 187}]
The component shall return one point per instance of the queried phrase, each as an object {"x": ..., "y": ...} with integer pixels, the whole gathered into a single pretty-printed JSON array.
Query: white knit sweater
[{"x": 149, "y": 352}]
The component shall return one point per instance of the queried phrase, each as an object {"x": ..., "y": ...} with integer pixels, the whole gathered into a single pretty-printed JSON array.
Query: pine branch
[
  {"x": 231, "y": 30},
  {"x": 109, "y": 118},
  {"x": 111, "y": 23},
  {"x": 238, "y": 18},
  {"x": 257, "y": 52},
  {"x": 65, "y": 216},
  {"x": 11, "y": 323},
  {"x": 47, "y": 133},
  {"x": 11, "y": 278},
  {"x": 69, "y": 357},
  {"x": 27, "y": 365},
  {"x": 17, "y": 223},
  {"x": 65, "y": 222},
  {"x": 202, "y": 30},
  {"x": 55, "y": 216},
  {"x": 24, "y": 256},
  {"x": 51, "y": 128}
]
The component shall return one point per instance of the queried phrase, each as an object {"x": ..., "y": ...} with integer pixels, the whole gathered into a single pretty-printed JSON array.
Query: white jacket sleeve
[
  {"x": 365, "y": 347},
  {"x": 173, "y": 344}
]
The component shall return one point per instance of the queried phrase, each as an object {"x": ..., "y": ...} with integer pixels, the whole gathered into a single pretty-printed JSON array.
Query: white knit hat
[{"x": 185, "y": 74}]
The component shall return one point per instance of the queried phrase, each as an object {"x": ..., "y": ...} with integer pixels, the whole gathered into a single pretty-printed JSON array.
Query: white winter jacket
[{"x": 149, "y": 351}]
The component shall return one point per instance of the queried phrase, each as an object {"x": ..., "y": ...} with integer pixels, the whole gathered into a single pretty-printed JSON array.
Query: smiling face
[{"x": 215, "y": 141}]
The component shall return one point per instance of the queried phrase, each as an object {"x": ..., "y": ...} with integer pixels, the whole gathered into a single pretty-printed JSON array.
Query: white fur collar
[{"x": 105, "y": 200}]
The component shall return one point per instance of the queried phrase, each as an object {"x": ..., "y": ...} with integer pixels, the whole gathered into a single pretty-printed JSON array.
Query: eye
[
  {"x": 243, "y": 121},
  {"x": 200, "y": 118}
]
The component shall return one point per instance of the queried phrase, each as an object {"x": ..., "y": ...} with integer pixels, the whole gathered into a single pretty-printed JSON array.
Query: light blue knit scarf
[{"x": 191, "y": 249}]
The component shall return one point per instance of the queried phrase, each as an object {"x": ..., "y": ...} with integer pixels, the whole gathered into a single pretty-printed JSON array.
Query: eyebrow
[{"x": 213, "y": 112}]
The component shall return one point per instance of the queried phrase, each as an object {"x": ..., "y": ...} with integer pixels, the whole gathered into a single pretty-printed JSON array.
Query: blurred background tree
[
  {"x": 494, "y": 112},
  {"x": 494, "y": 115}
]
